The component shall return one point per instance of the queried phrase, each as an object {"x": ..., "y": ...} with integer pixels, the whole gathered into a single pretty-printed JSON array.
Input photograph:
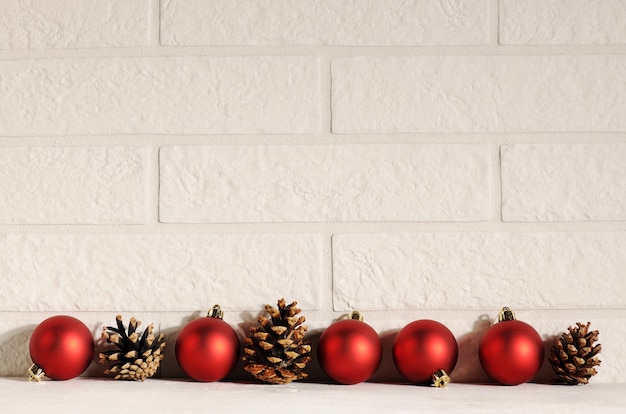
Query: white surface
[
  {"x": 461, "y": 270},
  {"x": 563, "y": 182},
  {"x": 51, "y": 24},
  {"x": 478, "y": 94},
  {"x": 100, "y": 185},
  {"x": 544, "y": 22},
  {"x": 307, "y": 22},
  {"x": 324, "y": 183},
  {"x": 186, "y": 95},
  {"x": 157, "y": 272},
  {"x": 106, "y": 396}
]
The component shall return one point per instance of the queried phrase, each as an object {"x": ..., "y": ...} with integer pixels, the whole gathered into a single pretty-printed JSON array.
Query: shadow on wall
[
  {"x": 468, "y": 368},
  {"x": 14, "y": 352},
  {"x": 546, "y": 375}
]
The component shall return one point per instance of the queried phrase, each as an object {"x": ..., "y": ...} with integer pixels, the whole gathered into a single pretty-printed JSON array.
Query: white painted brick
[
  {"x": 73, "y": 185},
  {"x": 544, "y": 22},
  {"x": 157, "y": 272},
  {"x": 50, "y": 24},
  {"x": 310, "y": 22},
  {"x": 479, "y": 94},
  {"x": 563, "y": 182},
  {"x": 186, "y": 95},
  {"x": 477, "y": 270},
  {"x": 324, "y": 183}
]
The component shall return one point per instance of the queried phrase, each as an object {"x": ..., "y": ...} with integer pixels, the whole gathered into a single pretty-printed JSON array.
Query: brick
[
  {"x": 157, "y": 272},
  {"x": 479, "y": 94},
  {"x": 563, "y": 182},
  {"x": 478, "y": 270},
  {"x": 549, "y": 22},
  {"x": 52, "y": 24},
  {"x": 322, "y": 22},
  {"x": 324, "y": 183},
  {"x": 181, "y": 95},
  {"x": 73, "y": 185}
]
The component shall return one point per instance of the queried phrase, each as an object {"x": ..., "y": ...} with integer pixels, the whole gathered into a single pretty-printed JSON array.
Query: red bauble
[
  {"x": 62, "y": 347},
  {"x": 423, "y": 348},
  {"x": 207, "y": 349},
  {"x": 511, "y": 351},
  {"x": 350, "y": 351}
]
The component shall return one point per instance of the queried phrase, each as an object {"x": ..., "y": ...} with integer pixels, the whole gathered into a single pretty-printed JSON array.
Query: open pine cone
[
  {"x": 136, "y": 358},
  {"x": 276, "y": 351},
  {"x": 573, "y": 357}
]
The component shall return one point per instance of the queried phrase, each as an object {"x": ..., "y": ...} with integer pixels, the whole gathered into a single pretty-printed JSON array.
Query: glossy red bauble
[
  {"x": 207, "y": 349},
  {"x": 349, "y": 351},
  {"x": 62, "y": 347},
  {"x": 511, "y": 352},
  {"x": 424, "y": 347}
]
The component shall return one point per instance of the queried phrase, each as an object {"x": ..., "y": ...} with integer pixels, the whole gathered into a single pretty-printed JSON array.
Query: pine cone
[
  {"x": 573, "y": 357},
  {"x": 136, "y": 358},
  {"x": 275, "y": 352}
]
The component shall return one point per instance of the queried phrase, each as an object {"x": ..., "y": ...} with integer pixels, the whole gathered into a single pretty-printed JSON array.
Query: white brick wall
[
  {"x": 415, "y": 159},
  {"x": 50, "y": 24},
  {"x": 547, "y": 22},
  {"x": 479, "y": 94},
  {"x": 324, "y": 183},
  {"x": 323, "y": 22}
]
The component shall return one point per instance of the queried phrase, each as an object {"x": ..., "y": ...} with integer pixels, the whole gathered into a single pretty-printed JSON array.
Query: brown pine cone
[
  {"x": 276, "y": 351},
  {"x": 573, "y": 357}
]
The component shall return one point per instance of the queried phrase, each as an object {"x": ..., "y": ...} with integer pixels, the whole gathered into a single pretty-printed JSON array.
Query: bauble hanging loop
[
  {"x": 207, "y": 349},
  {"x": 511, "y": 351},
  {"x": 350, "y": 350},
  {"x": 61, "y": 348},
  {"x": 426, "y": 352}
]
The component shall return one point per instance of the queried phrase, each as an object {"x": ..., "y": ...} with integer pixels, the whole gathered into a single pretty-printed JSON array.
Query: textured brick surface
[
  {"x": 564, "y": 182},
  {"x": 73, "y": 185},
  {"x": 349, "y": 22},
  {"x": 157, "y": 272},
  {"x": 477, "y": 270},
  {"x": 324, "y": 183},
  {"x": 47, "y": 24},
  {"x": 410, "y": 158},
  {"x": 479, "y": 93},
  {"x": 544, "y": 22},
  {"x": 159, "y": 95}
]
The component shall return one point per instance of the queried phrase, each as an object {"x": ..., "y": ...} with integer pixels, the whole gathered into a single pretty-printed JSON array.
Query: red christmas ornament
[
  {"x": 207, "y": 349},
  {"x": 511, "y": 351},
  {"x": 350, "y": 350},
  {"x": 426, "y": 351},
  {"x": 61, "y": 348}
]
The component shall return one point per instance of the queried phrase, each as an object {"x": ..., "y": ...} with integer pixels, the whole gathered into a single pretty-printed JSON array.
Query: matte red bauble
[
  {"x": 425, "y": 351},
  {"x": 511, "y": 351},
  {"x": 61, "y": 348},
  {"x": 207, "y": 349},
  {"x": 350, "y": 351}
]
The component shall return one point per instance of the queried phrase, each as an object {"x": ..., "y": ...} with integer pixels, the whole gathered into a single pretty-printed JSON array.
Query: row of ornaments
[{"x": 349, "y": 351}]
